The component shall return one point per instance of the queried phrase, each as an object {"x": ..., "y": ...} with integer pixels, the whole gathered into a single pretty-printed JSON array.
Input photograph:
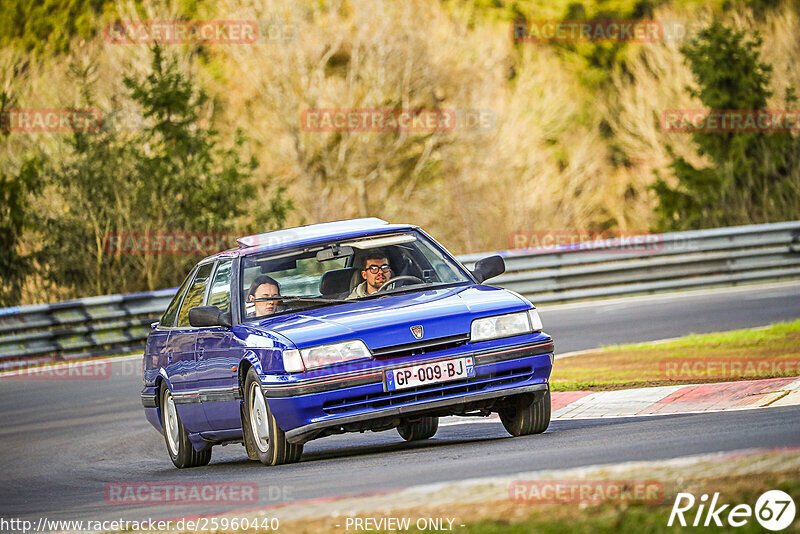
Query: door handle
[
  {"x": 169, "y": 356},
  {"x": 200, "y": 353}
]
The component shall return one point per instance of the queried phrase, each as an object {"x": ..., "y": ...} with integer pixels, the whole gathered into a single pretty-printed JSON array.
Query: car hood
[{"x": 387, "y": 321}]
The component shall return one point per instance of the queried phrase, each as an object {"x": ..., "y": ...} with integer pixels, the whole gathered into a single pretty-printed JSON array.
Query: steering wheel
[{"x": 399, "y": 279}]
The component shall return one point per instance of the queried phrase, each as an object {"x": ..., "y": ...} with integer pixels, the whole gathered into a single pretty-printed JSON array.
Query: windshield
[{"x": 340, "y": 271}]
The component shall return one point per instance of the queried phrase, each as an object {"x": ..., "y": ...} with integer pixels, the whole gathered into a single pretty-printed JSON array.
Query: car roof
[{"x": 311, "y": 233}]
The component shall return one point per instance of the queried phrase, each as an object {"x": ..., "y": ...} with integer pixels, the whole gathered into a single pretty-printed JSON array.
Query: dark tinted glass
[
  {"x": 220, "y": 293},
  {"x": 168, "y": 319},
  {"x": 195, "y": 294}
]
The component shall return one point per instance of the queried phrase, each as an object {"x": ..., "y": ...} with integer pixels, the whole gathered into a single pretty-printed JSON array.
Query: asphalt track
[
  {"x": 628, "y": 320},
  {"x": 63, "y": 441}
]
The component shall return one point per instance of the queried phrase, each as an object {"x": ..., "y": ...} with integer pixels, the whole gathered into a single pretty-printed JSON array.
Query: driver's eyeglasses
[{"x": 375, "y": 268}]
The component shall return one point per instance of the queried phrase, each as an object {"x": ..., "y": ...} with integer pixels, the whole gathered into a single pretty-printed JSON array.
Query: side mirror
[
  {"x": 488, "y": 268},
  {"x": 209, "y": 316}
]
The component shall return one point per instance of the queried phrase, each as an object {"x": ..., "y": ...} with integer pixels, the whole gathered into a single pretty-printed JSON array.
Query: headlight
[
  {"x": 292, "y": 361},
  {"x": 511, "y": 324},
  {"x": 295, "y": 361},
  {"x": 536, "y": 321}
]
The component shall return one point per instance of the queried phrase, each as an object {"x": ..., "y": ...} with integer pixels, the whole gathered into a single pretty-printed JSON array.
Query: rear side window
[
  {"x": 220, "y": 293},
  {"x": 168, "y": 319},
  {"x": 195, "y": 293}
]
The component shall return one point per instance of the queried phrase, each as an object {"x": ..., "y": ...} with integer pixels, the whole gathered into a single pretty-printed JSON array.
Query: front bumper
[
  {"x": 310, "y": 408},
  {"x": 309, "y": 431}
]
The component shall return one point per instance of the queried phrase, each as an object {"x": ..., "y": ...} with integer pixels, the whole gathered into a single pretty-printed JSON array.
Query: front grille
[
  {"x": 387, "y": 399},
  {"x": 421, "y": 347}
]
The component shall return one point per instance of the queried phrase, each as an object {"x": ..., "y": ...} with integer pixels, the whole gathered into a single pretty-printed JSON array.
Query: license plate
[{"x": 429, "y": 373}]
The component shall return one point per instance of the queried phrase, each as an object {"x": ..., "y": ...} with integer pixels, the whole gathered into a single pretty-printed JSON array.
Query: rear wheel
[
  {"x": 422, "y": 428},
  {"x": 261, "y": 432},
  {"x": 180, "y": 449},
  {"x": 526, "y": 414}
]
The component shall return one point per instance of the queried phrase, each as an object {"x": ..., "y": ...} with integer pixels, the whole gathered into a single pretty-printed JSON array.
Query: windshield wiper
[
  {"x": 299, "y": 298},
  {"x": 410, "y": 288}
]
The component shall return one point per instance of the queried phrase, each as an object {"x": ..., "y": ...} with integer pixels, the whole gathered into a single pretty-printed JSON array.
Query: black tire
[
  {"x": 261, "y": 430},
  {"x": 422, "y": 428},
  {"x": 179, "y": 448},
  {"x": 249, "y": 444},
  {"x": 523, "y": 415}
]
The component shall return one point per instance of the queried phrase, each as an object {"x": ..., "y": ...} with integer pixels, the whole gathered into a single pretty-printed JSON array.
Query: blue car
[{"x": 339, "y": 327}]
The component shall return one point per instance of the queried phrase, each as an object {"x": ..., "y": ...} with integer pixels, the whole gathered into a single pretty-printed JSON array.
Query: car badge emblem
[{"x": 417, "y": 331}]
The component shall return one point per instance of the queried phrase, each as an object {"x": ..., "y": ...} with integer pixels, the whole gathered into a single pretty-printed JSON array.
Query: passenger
[
  {"x": 375, "y": 272},
  {"x": 263, "y": 287}
]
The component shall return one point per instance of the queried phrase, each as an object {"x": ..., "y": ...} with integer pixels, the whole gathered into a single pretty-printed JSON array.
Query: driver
[
  {"x": 375, "y": 272},
  {"x": 263, "y": 287}
]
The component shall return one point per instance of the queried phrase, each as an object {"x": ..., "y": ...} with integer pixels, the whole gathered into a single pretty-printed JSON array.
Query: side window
[
  {"x": 168, "y": 319},
  {"x": 220, "y": 293},
  {"x": 195, "y": 294}
]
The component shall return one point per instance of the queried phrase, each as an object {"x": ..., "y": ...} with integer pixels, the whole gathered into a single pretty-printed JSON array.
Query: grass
[
  {"x": 768, "y": 352},
  {"x": 617, "y": 518}
]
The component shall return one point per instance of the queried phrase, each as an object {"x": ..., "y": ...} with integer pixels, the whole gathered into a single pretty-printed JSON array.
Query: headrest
[{"x": 336, "y": 281}]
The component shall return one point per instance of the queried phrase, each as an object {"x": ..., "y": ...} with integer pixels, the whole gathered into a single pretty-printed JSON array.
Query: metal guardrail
[
  {"x": 94, "y": 326},
  {"x": 679, "y": 260},
  {"x": 682, "y": 260}
]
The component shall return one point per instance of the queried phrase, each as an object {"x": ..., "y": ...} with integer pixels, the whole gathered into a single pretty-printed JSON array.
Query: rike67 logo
[{"x": 774, "y": 510}]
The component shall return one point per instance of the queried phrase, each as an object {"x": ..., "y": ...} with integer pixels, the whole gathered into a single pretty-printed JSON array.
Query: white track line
[
  {"x": 67, "y": 365},
  {"x": 672, "y": 295},
  {"x": 473, "y": 420}
]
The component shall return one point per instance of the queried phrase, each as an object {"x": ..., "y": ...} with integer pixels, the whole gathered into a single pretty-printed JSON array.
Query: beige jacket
[{"x": 359, "y": 291}]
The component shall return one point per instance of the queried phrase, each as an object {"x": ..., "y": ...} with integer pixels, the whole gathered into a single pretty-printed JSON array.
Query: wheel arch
[
  {"x": 161, "y": 380},
  {"x": 249, "y": 360}
]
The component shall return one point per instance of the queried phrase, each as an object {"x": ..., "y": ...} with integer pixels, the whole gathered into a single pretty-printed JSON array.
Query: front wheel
[
  {"x": 180, "y": 449},
  {"x": 523, "y": 415},
  {"x": 261, "y": 432},
  {"x": 423, "y": 428}
]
